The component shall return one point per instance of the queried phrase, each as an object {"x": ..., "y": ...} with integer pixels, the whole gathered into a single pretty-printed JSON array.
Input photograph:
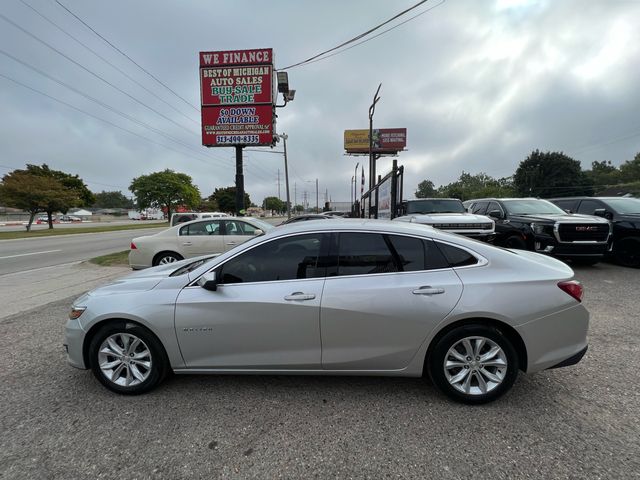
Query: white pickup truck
[{"x": 447, "y": 214}]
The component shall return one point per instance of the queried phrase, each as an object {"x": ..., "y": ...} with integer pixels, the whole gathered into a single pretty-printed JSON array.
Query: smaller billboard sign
[
  {"x": 246, "y": 125},
  {"x": 384, "y": 199},
  {"x": 385, "y": 140}
]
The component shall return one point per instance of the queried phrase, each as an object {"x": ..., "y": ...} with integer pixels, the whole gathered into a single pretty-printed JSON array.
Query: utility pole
[
  {"x": 279, "y": 185},
  {"x": 372, "y": 156},
  {"x": 295, "y": 193},
  {"x": 317, "y": 204},
  {"x": 286, "y": 174},
  {"x": 239, "y": 182}
]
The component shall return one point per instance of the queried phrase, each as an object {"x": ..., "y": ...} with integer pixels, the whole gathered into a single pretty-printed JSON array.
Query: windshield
[
  {"x": 625, "y": 205},
  {"x": 435, "y": 206},
  {"x": 532, "y": 207}
]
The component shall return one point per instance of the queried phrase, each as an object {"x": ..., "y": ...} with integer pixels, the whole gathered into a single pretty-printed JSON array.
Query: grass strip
[
  {"x": 112, "y": 260},
  {"x": 77, "y": 230}
]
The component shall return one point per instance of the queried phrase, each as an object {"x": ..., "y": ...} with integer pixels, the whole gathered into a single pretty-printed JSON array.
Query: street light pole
[
  {"x": 372, "y": 156},
  {"x": 286, "y": 174},
  {"x": 355, "y": 183},
  {"x": 317, "y": 203}
]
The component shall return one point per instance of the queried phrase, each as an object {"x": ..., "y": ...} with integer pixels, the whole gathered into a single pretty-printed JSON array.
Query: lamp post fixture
[
  {"x": 355, "y": 186},
  {"x": 284, "y": 137}
]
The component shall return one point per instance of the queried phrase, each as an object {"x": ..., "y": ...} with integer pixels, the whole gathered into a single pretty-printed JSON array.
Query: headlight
[
  {"x": 75, "y": 312},
  {"x": 538, "y": 228}
]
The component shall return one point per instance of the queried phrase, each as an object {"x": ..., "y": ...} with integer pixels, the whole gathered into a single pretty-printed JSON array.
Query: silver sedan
[{"x": 343, "y": 297}]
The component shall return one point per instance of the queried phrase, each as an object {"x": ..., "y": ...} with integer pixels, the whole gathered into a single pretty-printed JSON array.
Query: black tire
[
  {"x": 153, "y": 375},
  {"x": 440, "y": 353},
  {"x": 626, "y": 252},
  {"x": 168, "y": 257},
  {"x": 514, "y": 241}
]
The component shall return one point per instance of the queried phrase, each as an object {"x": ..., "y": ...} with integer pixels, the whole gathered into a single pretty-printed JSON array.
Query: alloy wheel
[
  {"x": 475, "y": 365},
  {"x": 124, "y": 359}
]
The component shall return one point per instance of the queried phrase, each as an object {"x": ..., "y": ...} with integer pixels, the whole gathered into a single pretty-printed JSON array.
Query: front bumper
[
  {"x": 550, "y": 245},
  {"x": 73, "y": 340}
]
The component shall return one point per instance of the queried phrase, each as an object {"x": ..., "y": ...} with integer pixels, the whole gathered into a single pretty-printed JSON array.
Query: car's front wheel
[
  {"x": 627, "y": 252},
  {"x": 473, "y": 364},
  {"x": 127, "y": 358}
]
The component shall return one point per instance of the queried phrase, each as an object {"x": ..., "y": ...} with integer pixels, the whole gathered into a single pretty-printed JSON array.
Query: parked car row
[{"x": 58, "y": 219}]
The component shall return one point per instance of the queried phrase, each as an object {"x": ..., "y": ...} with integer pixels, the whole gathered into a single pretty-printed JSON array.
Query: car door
[
  {"x": 237, "y": 232},
  {"x": 265, "y": 313},
  {"x": 385, "y": 296},
  {"x": 200, "y": 238}
]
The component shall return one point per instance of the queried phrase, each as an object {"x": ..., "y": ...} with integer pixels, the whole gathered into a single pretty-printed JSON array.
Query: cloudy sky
[{"x": 478, "y": 84}]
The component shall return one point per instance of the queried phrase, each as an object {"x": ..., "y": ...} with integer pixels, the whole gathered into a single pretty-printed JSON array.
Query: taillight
[
  {"x": 573, "y": 288},
  {"x": 133, "y": 246}
]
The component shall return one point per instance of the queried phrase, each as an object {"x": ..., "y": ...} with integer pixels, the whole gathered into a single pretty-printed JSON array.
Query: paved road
[
  {"x": 27, "y": 254},
  {"x": 581, "y": 422}
]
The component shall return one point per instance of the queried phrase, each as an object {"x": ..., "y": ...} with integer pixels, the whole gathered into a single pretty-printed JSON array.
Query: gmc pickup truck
[{"x": 447, "y": 214}]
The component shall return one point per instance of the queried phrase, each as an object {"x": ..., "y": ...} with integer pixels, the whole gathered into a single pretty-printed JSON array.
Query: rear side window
[
  {"x": 569, "y": 205},
  {"x": 456, "y": 257},
  {"x": 368, "y": 253}
]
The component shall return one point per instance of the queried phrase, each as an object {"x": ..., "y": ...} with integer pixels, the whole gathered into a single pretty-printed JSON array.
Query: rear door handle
[
  {"x": 186, "y": 243},
  {"x": 299, "y": 296},
  {"x": 428, "y": 291},
  {"x": 231, "y": 243}
]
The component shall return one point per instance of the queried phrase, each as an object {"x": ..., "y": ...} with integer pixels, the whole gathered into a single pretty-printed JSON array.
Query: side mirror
[
  {"x": 495, "y": 214},
  {"x": 208, "y": 281},
  {"x": 257, "y": 232},
  {"x": 601, "y": 212}
]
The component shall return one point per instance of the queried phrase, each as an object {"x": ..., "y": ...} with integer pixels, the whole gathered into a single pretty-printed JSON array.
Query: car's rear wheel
[
  {"x": 473, "y": 364},
  {"x": 164, "y": 258},
  {"x": 627, "y": 252},
  {"x": 127, "y": 358}
]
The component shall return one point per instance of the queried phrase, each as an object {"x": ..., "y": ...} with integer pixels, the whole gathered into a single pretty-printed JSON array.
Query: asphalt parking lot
[{"x": 577, "y": 422}]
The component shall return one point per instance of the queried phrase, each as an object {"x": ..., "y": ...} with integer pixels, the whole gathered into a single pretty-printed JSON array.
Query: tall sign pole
[
  {"x": 372, "y": 157},
  {"x": 238, "y": 102}
]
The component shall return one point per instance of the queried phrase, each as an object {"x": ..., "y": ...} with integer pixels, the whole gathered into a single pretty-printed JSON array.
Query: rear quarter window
[{"x": 457, "y": 257}]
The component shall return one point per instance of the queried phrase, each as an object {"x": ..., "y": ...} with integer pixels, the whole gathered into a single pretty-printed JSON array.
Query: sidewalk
[{"x": 23, "y": 291}]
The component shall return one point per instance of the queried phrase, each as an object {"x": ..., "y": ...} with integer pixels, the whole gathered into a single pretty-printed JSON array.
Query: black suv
[
  {"x": 624, "y": 214},
  {"x": 541, "y": 226}
]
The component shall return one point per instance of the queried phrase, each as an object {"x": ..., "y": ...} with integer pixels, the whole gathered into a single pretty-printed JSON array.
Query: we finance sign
[{"x": 237, "y": 97}]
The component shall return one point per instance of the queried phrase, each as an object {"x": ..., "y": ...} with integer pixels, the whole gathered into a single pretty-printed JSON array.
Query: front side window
[
  {"x": 289, "y": 258},
  {"x": 588, "y": 207},
  {"x": 479, "y": 208},
  {"x": 202, "y": 228}
]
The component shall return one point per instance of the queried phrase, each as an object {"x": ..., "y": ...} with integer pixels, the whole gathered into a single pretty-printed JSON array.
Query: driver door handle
[
  {"x": 299, "y": 296},
  {"x": 428, "y": 290}
]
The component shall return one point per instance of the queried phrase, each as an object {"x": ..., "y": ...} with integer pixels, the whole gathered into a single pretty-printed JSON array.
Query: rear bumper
[
  {"x": 554, "y": 339},
  {"x": 573, "y": 359}
]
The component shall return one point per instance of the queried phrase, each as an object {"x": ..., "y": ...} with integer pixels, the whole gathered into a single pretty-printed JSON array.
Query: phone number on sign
[{"x": 238, "y": 139}]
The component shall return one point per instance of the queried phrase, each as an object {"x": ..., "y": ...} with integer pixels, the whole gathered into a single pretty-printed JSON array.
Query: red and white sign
[
  {"x": 237, "y": 85},
  {"x": 237, "y": 93},
  {"x": 244, "y": 125}
]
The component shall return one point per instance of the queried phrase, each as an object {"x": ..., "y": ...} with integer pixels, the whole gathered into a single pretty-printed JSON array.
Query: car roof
[
  {"x": 502, "y": 199},
  {"x": 432, "y": 198}
]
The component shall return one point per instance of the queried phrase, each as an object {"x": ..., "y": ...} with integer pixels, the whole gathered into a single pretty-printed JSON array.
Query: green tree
[
  {"x": 165, "y": 190},
  {"x": 298, "y": 209},
  {"x": 426, "y": 189},
  {"x": 603, "y": 174},
  {"x": 481, "y": 185},
  {"x": 34, "y": 193},
  {"x": 226, "y": 199},
  {"x": 551, "y": 174},
  {"x": 114, "y": 199},
  {"x": 630, "y": 170},
  {"x": 82, "y": 196},
  {"x": 207, "y": 205},
  {"x": 274, "y": 204}
]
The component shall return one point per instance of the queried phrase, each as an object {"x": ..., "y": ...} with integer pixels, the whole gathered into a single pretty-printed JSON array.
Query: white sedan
[{"x": 192, "y": 239}]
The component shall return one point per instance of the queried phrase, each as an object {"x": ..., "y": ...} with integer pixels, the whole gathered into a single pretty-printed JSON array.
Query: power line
[
  {"x": 11, "y": 22},
  {"x": 101, "y": 119},
  {"x": 127, "y": 56},
  {"x": 377, "y": 35},
  {"x": 354, "y": 39},
  {"x": 106, "y": 61}
]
